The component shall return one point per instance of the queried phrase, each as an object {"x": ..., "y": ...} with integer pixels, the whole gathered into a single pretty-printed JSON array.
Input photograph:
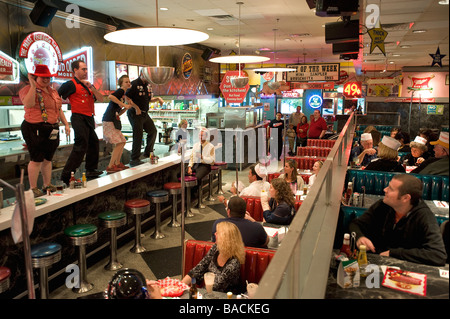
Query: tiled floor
[{"x": 100, "y": 277}]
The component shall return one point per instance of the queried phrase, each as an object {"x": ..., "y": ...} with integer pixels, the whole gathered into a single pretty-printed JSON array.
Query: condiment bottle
[
  {"x": 84, "y": 180},
  {"x": 362, "y": 260},
  {"x": 193, "y": 292},
  {"x": 346, "y": 246},
  {"x": 348, "y": 194},
  {"x": 72, "y": 180},
  {"x": 229, "y": 295}
]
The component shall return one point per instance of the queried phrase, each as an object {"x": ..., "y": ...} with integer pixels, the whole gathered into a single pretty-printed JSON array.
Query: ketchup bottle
[{"x": 345, "y": 249}]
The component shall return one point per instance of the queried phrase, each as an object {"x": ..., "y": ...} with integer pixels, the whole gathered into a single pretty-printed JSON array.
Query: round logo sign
[
  {"x": 186, "y": 65},
  {"x": 39, "y": 48},
  {"x": 315, "y": 101}
]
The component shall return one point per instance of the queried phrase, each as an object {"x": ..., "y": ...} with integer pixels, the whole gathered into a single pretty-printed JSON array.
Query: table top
[{"x": 437, "y": 286}]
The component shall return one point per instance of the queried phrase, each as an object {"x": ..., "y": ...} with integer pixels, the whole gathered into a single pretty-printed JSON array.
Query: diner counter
[
  {"x": 94, "y": 187},
  {"x": 437, "y": 287}
]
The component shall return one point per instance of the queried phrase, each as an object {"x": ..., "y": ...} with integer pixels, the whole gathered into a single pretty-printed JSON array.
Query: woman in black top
[
  {"x": 387, "y": 160},
  {"x": 280, "y": 208}
]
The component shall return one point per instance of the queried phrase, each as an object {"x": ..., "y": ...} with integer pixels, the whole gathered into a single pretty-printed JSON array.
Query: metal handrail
[{"x": 300, "y": 266}]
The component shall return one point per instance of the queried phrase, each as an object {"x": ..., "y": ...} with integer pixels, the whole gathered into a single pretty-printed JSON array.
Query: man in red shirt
[
  {"x": 317, "y": 127},
  {"x": 81, "y": 95}
]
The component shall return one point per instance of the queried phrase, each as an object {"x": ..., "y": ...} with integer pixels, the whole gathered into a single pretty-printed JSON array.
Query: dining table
[{"x": 436, "y": 284}]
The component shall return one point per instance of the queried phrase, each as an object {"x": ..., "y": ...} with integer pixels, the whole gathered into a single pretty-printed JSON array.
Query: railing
[{"x": 301, "y": 265}]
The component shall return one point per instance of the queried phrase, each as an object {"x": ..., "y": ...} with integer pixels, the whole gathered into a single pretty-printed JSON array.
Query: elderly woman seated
[{"x": 387, "y": 160}]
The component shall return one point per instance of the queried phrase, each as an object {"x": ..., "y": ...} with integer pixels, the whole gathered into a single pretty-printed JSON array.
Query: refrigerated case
[{"x": 235, "y": 117}]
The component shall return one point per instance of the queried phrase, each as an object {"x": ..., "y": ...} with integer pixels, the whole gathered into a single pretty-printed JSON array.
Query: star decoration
[
  {"x": 437, "y": 57},
  {"x": 377, "y": 35}
]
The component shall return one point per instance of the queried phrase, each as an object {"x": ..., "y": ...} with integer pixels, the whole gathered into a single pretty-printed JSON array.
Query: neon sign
[
  {"x": 352, "y": 90},
  {"x": 9, "y": 69},
  {"x": 315, "y": 101},
  {"x": 64, "y": 69}
]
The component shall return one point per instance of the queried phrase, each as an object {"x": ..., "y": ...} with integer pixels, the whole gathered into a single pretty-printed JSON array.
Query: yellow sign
[{"x": 377, "y": 35}]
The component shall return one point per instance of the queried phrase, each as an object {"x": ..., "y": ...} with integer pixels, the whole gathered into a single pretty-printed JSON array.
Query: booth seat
[
  {"x": 305, "y": 162},
  {"x": 256, "y": 259},
  {"x": 271, "y": 176},
  {"x": 378, "y": 127},
  {"x": 435, "y": 187},
  {"x": 254, "y": 207},
  {"x": 320, "y": 143},
  {"x": 313, "y": 151}
]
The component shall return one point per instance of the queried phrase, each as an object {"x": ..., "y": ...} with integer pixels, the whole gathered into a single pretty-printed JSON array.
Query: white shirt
[
  {"x": 208, "y": 154},
  {"x": 255, "y": 188},
  {"x": 312, "y": 178}
]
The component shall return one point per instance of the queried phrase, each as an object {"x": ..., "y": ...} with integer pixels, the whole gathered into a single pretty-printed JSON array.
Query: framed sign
[
  {"x": 314, "y": 72},
  {"x": 9, "y": 69}
]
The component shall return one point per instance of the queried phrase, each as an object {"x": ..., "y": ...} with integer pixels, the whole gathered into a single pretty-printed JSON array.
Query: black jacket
[
  {"x": 385, "y": 165},
  {"x": 416, "y": 237}
]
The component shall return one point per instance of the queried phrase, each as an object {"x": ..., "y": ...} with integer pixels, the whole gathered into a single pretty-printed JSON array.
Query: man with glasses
[{"x": 439, "y": 164}]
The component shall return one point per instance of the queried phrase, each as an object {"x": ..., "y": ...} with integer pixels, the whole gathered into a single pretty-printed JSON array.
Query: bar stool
[
  {"x": 157, "y": 197},
  {"x": 82, "y": 235},
  {"x": 214, "y": 171},
  {"x": 5, "y": 274},
  {"x": 43, "y": 256},
  {"x": 220, "y": 166},
  {"x": 189, "y": 182},
  {"x": 174, "y": 189},
  {"x": 137, "y": 207},
  {"x": 200, "y": 192},
  {"x": 113, "y": 220}
]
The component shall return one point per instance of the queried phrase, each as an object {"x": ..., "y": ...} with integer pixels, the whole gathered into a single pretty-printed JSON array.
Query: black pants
[
  {"x": 86, "y": 143},
  {"x": 139, "y": 123}
]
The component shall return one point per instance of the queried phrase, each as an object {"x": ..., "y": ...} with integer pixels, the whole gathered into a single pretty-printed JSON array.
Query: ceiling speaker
[
  {"x": 207, "y": 53},
  {"x": 342, "y": 31},
  {"x": 42, "y": 13}
]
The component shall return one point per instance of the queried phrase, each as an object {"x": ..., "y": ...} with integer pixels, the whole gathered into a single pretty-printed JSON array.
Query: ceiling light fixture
[
  {"x": 444, "y": 2},
  {"x": 156, "y": 36},
  {"x": 274, "y": 85},
  {"x": 238, "y": 59},
  {"x": 419, "y": 31}
]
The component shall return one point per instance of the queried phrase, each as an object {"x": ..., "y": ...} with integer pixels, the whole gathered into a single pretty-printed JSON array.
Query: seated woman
[
  {"x": 404, "y": 140},
  {"x": 224, "y": 259},
  {"x": 316, "y": 168},
  {"x": 290, "y": 175},
  {"x": 418, "y": 152},
  {"x": 387, "y": 157},
  {"x": 280, "y": 208}
]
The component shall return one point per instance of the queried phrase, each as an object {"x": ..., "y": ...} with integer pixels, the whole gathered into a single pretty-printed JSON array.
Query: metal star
[
  {"x": 437, "y": 57},
  {"x": 377, "y": 35}
]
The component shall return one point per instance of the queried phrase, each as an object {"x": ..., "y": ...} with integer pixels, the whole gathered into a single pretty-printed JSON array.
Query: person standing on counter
[
  {"x": 141, "y": 95},
  {"x": 112, "y": 126},
  {"x": 401, "y": 225},
  {"x": 40, "y": 128},
  {"x": 81, "y": 95}
]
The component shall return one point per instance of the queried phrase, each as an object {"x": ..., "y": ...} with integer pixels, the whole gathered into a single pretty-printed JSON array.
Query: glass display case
[{"x": 235, "y": 117}]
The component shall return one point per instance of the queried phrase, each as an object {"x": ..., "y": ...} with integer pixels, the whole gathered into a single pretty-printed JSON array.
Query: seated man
[
  {"x": 253, "y": 233},
  {"x": 401, "y": 225},
  {"x": 439, "y": 164},
  {"x": 365, "y": 152},
  {"x": 256, "y": 175}
]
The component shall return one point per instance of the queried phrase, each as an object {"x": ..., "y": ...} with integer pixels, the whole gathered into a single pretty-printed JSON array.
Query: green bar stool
[
  {"x": 113, "y": 220},
  {"x": 44, "y": 255},
  {"x": 5, "y": 274},
  {"x": 157, "y": 197},
  {"x": 82, "y": 235},
  {"x": 174, "y": 189},
  {"x": 137, "y": 207}
]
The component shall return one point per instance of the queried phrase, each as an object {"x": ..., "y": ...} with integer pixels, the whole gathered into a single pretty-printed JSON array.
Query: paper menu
[
  {"x": 410, "y": 282},
  {"x": 441, "y": 204}
]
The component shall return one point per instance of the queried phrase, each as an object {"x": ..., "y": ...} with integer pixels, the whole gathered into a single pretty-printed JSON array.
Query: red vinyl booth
[
  {"x": 256, "y": 259},
  {"x": 320, "y": 143}
]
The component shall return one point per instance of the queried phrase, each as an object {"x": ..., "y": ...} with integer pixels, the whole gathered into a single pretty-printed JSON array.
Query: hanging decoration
[
  {"x": 437, "y": 57},
  {"x": 377, "y": 35}
]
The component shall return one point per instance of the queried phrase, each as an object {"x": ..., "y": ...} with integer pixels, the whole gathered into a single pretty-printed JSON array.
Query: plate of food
[
  {"x": 39, "y": 201},
  {"x": 172, "y": 287},
  {"x": 406, "y": 281}
]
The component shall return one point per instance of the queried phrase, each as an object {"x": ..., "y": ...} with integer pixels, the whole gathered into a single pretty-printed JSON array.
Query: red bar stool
[
  {"x": 44, "y": 255},
  {"x": 174, "y": 189},
  {"x": 157, "y": 197},
  {"x": 214, "y": 171},
  {"x": 221, "y": 166},
  {"x": 137, "y": 207},
  {"x": 82, "y": 235},
  {"x": 5, "y": 274},
  {"x": 113, "y": 220},
  {"x": 189, "y": 182}
]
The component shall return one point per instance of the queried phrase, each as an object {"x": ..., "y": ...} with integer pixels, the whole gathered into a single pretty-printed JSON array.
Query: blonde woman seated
[
  {"x": 316, "y": 168},
  {"x": 387, "y": 157},
  {"x": 224, "y": 259},
  {"x": 290, "y": 175}
]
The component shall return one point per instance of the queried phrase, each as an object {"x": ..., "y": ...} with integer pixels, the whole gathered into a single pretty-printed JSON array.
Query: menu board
[
  {"x": 133, "y": 72},
  {"x": 314, "y": 72}
]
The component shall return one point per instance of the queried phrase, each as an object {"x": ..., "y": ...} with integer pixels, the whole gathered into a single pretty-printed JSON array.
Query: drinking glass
[{"x": 209, "y": 281}]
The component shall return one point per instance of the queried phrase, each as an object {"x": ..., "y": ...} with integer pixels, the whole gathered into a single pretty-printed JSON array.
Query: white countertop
[{"x": 94, "y": 187}]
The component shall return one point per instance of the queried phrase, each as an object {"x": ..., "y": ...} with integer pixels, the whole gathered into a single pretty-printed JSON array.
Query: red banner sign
[
  {"x": 9, "y": 69},
  {"x": 230, "y": 93},
  {"x": 313, "y": 86}
]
